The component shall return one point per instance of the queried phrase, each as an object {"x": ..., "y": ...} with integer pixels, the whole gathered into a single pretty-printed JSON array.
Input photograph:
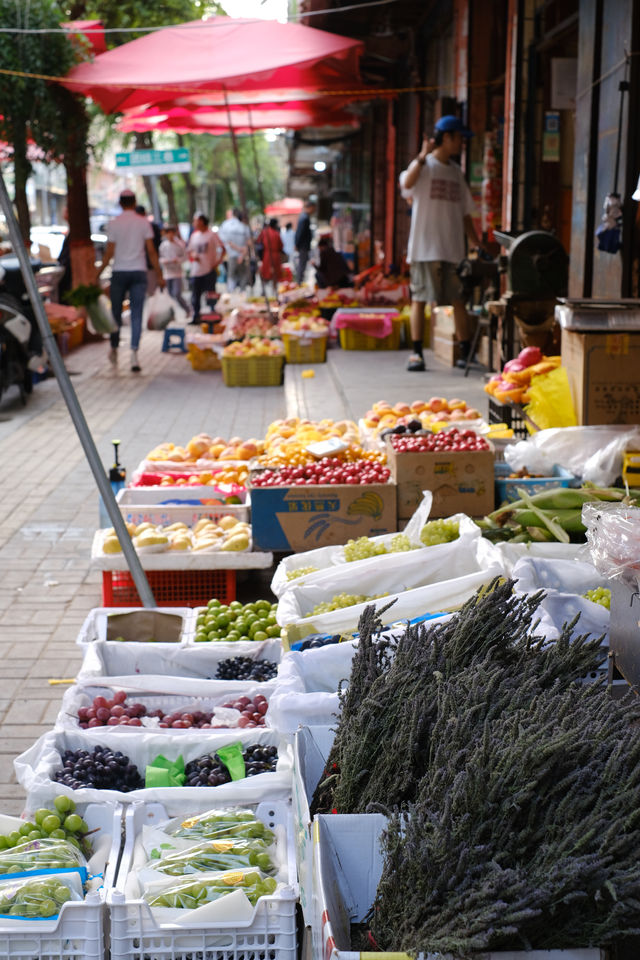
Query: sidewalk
[{"x": 49, "y": 501}]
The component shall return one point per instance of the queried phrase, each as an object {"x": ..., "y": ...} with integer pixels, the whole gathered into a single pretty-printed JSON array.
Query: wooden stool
[{"x": 173, "y": 340}]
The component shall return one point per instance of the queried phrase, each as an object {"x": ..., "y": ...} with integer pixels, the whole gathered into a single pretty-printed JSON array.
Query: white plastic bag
[
  {"x": 613, "y": 536},
  {"x": 100, "y": 316},
  {"x": 159, "y": 310},
  {"x": 592, "y": 453},
  {"x": 308, "y": 681}
]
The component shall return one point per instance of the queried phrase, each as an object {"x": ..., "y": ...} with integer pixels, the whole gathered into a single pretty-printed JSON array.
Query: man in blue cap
[{"x": 441, "y": 217}]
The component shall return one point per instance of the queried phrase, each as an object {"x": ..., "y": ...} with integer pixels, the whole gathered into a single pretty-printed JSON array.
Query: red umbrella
[
  {"x": 250, "y": 57},
  {"x": 215, "y": 120},
  {"x": 289, "y": 207}
]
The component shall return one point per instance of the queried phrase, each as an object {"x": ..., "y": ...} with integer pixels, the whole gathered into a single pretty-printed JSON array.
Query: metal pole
[
  {"x": 243, "y": 201},
  {"x": 71, "y": 400},
  {"x": 256, "y": 166}
]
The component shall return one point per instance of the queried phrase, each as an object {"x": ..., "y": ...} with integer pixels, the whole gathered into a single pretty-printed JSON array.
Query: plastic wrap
[
  {"x": 220, "y": 823},
  {"x": 592, "y": 453},
  {"x": 47, "y": 853},
  {"x": 613, "y": 538},
  {"x": 38, "y": 897},
  {"x": 215, "y": 855}
]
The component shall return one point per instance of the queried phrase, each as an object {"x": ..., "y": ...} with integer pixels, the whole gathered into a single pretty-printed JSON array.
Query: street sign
[{"x": 154, "y": 161}]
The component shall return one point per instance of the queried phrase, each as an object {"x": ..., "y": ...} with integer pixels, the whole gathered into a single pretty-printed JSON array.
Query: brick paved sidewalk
[{"x": 49, "y": 502}]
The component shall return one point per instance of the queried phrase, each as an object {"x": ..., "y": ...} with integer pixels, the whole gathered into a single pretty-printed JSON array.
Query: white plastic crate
[
  {"x": 136, "y": 935},
  {"x": 106, "y": 623},
  {"x": 78, "y": 932},
  {"x": 146, "y": 666},
  {"x": 347, "y": 865},
  {"x": 142, "y": 504},
  {"x": 36, "y": 766}
]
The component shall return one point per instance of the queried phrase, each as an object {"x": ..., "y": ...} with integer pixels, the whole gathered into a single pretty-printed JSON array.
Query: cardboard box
[
  {"x": 301, "y": 518},
  {"x": 603, "y": 375},
  {"x": 460, "y": 482}
]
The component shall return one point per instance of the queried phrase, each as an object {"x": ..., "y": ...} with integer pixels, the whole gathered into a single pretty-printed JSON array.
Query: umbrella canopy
[
  {"x": 289, "y": 207},
  {"x": 249, "y": 57},
  {"x": 293, "y": 116}
]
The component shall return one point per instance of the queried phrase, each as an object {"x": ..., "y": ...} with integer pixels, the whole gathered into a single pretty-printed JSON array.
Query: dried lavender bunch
[
  {"x": 383, "y": 738},
  {"x": 526, "y": 829}
]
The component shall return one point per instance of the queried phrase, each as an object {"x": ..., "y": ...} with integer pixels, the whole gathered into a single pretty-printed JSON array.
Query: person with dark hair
[
  {"x": 271, "y": 243},
  {"x": 129, "y": 242},
  {"x": 172, "y": 254},
  {"x": 303, "y": 238},
  {"x": 235, "y": 236},
  {"x": 441, "y": 217},
  {"x": 205, "y": 252},
  {"x": 332, "y": 269}
]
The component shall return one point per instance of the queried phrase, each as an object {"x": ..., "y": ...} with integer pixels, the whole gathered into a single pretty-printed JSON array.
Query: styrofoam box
[
  {"x": 78, "y": 932},
  {"x": 154, "y": 667},
  {"x": 142, "y": 504},
  {"x": 311, "y": 748},
  {"x": 135, "y": 933},
  {"x": 36, "y": 766},
  {"x": 101, "y": 622},
  {"x": 80, "y": 696},
  {"x": 347, "y": 865}
]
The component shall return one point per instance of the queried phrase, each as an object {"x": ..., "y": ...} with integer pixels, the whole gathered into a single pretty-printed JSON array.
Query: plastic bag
[
  {"x": 613, "y": 537},
  {"x": 45, "y": 854},
  {"x": 189, "y": 893},
  {"x": 100, "y": 316},
  {"x": 550, "y": 403},
  {"x": 38, "y": 897},
  {"x": 215, "y": 855},
  {"x": 221, "y": 823},
  {"x": 159, "y": 310},
  {"x": 593, "y": 453}
]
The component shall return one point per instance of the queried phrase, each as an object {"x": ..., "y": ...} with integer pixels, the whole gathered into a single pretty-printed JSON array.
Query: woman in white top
[{"x": 172, "y": 254}]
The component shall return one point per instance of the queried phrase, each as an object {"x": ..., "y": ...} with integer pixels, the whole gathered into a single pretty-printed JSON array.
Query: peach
[
  {"x": 418, "y": 406},
  {"x": 457, "y": 404},
  {"x": 472, "y": 414},
  {"x": 437, "y": 404},
  {"x": 457, "y": 414},
  {"x": 215, "y": 450},
  {"x": 402, "y": 409}
]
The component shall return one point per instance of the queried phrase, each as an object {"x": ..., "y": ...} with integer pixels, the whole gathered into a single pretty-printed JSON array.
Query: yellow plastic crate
[
  {"x": 203, "y": 359},
  {"x": 300, "y": 349},
  {"x": 252, "y": 371},
  {"x": 354, "y": 340}
]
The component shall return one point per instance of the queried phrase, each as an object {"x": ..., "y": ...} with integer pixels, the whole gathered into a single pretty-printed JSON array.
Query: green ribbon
[
  {"x": 231, "y": 757},
  {"x": 165, "y": 773}
]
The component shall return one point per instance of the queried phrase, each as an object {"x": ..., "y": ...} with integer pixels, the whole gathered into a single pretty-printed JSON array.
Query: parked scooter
[{"x": 20, "y": 341}]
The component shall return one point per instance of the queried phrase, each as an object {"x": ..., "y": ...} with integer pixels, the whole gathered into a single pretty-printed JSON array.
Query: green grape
[
  {"x": 52, "y": 822},
  {"x": 235, "y": 622},
  {"x": 342, "y": 600},
  {"x": 401, "y": 543},
  {"x": 64, "y": 804},
  {"x": 439, "y": 531},
  {"x": 300, "y": 572},
  {"x": 362, "y": 548},
  {"x": 601, "y": 595}
]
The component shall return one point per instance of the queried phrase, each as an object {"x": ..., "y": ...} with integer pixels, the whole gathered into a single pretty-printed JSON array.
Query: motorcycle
[{"x": 20, "y": 342}]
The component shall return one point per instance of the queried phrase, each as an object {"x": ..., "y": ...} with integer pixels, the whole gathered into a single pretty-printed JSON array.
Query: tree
[{"x": 28, "y": 112}]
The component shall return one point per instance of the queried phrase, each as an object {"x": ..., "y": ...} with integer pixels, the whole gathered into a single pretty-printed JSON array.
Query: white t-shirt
[
  {"x": 236, "y": 232},
  {"x": 171, "y": 253},
  {"x": 441, "y": 201},
  {"x": 129, "y": 232},
  {"x": 209, "y": 251}
]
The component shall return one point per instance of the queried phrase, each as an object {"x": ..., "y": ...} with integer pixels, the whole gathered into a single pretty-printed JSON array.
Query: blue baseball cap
[{"x": 452, "y": 124}]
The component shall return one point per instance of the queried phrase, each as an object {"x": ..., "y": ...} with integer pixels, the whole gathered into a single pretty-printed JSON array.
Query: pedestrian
[
  {"x": 272, "y": 252},
  {"x": 332, "y": 269},
  {"x": 303, "y": 237},
  {"x": 172, "y": 255},
  {"x": 129, "y": 242},
  {"x": 205, "y": 252},
  {"x": 152, "y": 282},
  {"x": 441, "y": 217},
  {"x": 235, "y": 236},
  {"x": 288, "y": 237}
]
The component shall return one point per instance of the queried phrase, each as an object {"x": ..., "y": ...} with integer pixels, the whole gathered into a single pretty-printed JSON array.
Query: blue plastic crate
[{"x": 507, "y": 487}]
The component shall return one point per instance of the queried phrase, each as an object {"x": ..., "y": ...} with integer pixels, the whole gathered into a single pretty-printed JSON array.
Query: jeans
[
  {"x": 303, "y": 257},
  {"x": 236, "y": 274},
  {"x": 174, "y": 289},
  {"x": 135, "y": 282},
  {"x": 200, "y": 285}
]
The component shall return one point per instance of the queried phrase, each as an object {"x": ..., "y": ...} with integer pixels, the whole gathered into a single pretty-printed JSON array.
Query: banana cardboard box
[{"x": 301, "y": 518}]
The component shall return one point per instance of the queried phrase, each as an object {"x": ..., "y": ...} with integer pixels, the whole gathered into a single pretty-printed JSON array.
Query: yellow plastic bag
[{"x": 550, "y": 403}]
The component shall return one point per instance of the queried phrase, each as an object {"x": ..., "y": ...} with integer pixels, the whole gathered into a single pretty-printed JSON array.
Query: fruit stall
[{"x": 356, "y": 763}]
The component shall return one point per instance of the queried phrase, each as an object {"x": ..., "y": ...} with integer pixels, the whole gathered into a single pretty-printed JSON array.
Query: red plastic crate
[{"x": 170, "y": 588}]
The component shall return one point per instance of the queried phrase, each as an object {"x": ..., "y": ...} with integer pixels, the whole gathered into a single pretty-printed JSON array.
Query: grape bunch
[
  {"x": 239, "y": 854},
  {"x": 33, "y": 898},
  {"x": 401, "y": 544},
  {"x": 111, "y": 713},
  {"x": 246, "y": 668},
  {"x": 342, "y": 600},
  {"x": 102, "y": 769},
  {"x": 60, "y": 823},
  {"x": 300, "y": 572},
  {"x": 221, "y": 824},
  {"x": 209, "y": 771},
  {"x": 189, "y": 893},
  {"x": 362, "y": 548},
  {"x": 439, "y": 531},
  {"x": 233, "y": 622},
  {"x": 601, "y": 595}
]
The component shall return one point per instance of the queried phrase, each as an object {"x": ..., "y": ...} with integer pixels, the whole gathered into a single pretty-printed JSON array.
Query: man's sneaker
[
  {"x": 135, "y": 366},
  {"x": 113, "y": 355}
]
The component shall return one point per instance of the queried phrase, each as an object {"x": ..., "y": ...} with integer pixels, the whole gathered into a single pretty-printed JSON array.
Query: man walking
[
  {"x": 129, "y": 242},
  {"x": 205, "y": 252},
  {"x": 441, "y": 216},
  {"x": 304, "y": 235},
  {"x": 235, "y": 236}
]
